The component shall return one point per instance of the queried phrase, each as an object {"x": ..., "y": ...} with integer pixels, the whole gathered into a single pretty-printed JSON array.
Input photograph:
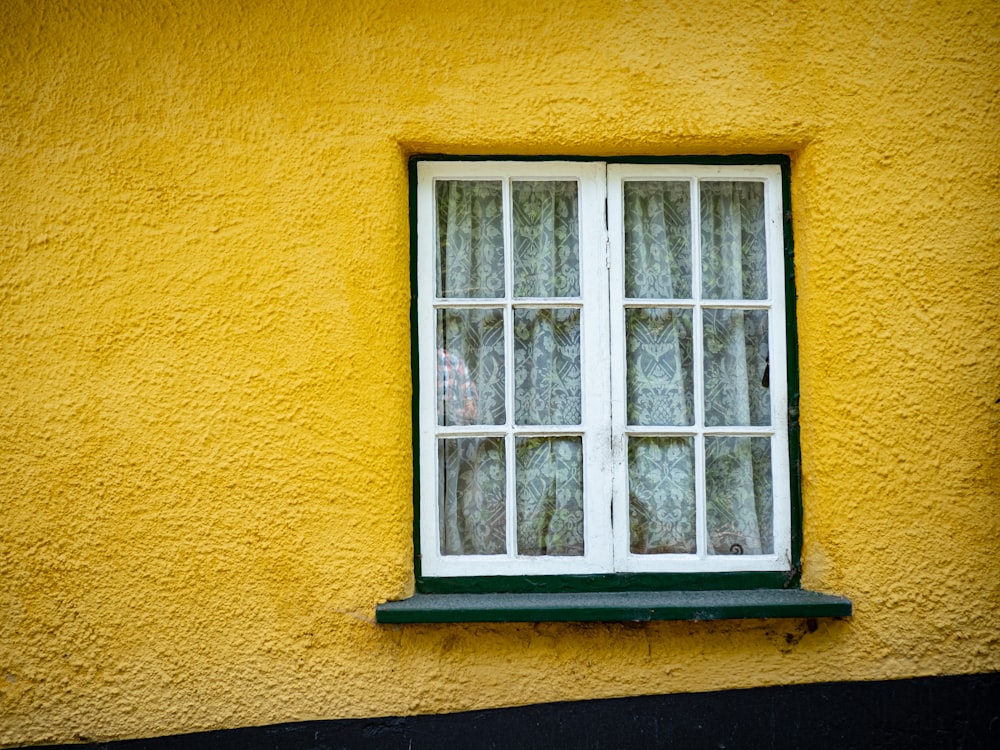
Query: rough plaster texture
[{"x": 204, "y": 364}]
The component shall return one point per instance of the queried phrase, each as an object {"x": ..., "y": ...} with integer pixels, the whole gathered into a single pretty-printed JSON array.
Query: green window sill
[{"x": 631, "y": 606}]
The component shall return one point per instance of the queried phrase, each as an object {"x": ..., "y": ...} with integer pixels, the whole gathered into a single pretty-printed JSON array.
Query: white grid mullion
[
  {"x": 689, "y": 431},
  {"x": 682, "y": 304},
  {"x": 698, "y": 346},
  {"x": 546, "y": 303},
  {"x": 508, "y": 368},
  {"x": 736, "y": 304},
  {"x": 482, "y": 303}
]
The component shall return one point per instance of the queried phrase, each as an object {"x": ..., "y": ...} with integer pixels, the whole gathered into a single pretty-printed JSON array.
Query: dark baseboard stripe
[{"x": 928, "y": 712}]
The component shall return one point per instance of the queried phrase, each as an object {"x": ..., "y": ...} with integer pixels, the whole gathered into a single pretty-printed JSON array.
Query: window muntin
[{"x": 605, "y": 396}]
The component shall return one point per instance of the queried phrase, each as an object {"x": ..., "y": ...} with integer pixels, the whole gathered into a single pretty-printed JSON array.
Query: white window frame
[{"x": 603, "y": 426}]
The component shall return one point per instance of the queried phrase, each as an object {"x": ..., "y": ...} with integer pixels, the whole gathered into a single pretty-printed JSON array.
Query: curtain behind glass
[
  {"x": 657, "y": 239},
  {"x": 733, "y": 243},
  {"x": 470, "y": 238},
  {"x": 659, "y": 366},
  {"x": 659, "y": 369},
  {"x": 547, "y": 378},
  {"x": 546, "y": 235},
  {"x": 472, "y": 502},
  {"x": 734, "y": 267}
]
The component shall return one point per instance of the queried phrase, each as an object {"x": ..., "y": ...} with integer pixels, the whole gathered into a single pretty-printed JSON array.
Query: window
[{"x": 601, "y": 369}]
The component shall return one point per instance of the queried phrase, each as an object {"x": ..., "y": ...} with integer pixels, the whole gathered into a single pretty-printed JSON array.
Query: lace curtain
[
  {"x": 546, "y": 349},
  {"x": 660, "y": 367},
  {"x": 547, "y": 385}
]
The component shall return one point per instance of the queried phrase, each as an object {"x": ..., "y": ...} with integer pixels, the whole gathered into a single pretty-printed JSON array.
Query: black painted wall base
[{"x": 930, "y": 712}]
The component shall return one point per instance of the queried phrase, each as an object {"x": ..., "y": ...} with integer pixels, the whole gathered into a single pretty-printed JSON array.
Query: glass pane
[
  {"x": 733, "y": 243},
  {"x": 470, "y": 361},
  {"x": 659, "y": 368},
  {"x": 472, "y": 496},
  {"x": 549, "y": 496},
  {"x": 661, "y": 495},
  {"x": 736, "y": 360},
  {"x": 547, "y": 366},
  {"x": 470, "y": 238},
  {"x": 658, "y": 239},
  {"x": 739, "y": 497},
  {"x": 546, "y": 240}
]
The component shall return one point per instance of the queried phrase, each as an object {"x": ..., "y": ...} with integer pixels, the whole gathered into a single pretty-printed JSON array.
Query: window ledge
[{"x": 633, "y": 606}]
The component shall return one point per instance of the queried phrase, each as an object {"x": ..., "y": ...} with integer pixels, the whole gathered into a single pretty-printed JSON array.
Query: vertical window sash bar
[
  {"x": 773, "y": 258},
  {"x": 697, "y": 332},
  {"x": 596, "y": 372},
  {"x": 618, "y": 434},
  {"x": 430, "y": 531},
  {"x": 781, "y": 471},
  {"x": 508, "y": 356}
]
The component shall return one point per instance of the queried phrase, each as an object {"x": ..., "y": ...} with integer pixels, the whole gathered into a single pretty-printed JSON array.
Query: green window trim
[
  {"x": 617, "y": 606},
  {"x": 608, "y": 582},
  {"x": 624, "y": 596}
]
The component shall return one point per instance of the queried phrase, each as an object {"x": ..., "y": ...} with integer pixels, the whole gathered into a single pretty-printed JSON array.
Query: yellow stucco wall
[{"x": 205, "y": 432}]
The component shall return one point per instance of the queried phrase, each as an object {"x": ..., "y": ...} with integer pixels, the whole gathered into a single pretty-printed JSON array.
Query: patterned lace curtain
[
  {"x": 660, "y": 369},
  {"x": 738, "y": 469},
  {"x": 470, "y": 380},
  {"x": 470, "y": 367},
  {"x": 660, "y": 383},
  {"x": 548, "y": 471}
]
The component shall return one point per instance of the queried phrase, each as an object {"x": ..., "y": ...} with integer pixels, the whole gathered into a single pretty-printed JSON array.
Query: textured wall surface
[{"x": 205, "y": 432}]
